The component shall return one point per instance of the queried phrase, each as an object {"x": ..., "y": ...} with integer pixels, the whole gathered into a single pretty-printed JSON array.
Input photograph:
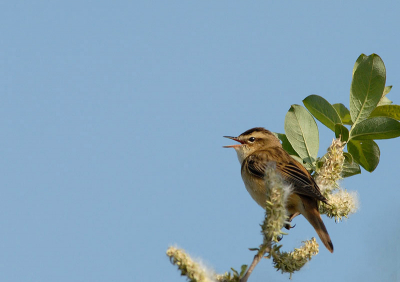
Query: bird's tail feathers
[{"x": 313, "y": 216}]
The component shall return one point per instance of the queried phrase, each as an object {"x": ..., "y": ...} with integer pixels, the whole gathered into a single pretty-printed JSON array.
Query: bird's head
[{"x": 253, "y": 140}]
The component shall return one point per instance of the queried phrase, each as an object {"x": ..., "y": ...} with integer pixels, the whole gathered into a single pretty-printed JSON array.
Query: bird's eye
[{"x": 252, "y": 139}]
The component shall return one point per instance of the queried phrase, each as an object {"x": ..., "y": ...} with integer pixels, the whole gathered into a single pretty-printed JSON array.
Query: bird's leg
[{"x": 287, "y": 225}]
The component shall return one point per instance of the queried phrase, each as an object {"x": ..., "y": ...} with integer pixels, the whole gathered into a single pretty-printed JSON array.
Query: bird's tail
[
  {"x": 313, "y": 217},
  {"x": 311, "y": 213}
]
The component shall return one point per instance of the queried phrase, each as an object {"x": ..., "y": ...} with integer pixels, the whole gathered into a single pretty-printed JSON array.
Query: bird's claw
[{"x": 288, "y": 226}]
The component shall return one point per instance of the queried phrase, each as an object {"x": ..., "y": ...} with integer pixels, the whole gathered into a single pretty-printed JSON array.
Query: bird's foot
[{"x": 288, "y": 226}]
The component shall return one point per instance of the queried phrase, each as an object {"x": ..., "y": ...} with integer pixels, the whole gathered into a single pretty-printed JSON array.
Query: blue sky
[{"x": 112, "y": 117}]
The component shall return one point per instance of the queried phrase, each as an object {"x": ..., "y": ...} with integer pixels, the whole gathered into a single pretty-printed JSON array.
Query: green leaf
[
  {"x": 243, "y": 270},
  {"x": 297, "y": 158},
  {"x": 302, "y": 132},
  {"x": 307, "y": 165},
  {"x": 367, "y": 87},
  {"x": 344, "y": 113},
  {"x": 376, "y": 128},
  {"x": 385, "y": 101},
  {"x": 342, "y": 131},
  {"x": 350, "y": 169},
  {"x": 365, "y": 152},
  {"x": 392, "y": 111},
  {"x": 348, "y": 157},
  {"x": 322, "y": 110},
  {"x": 360, "y": 58},
  {"x": 320, "y": 161},
  {"x": 286, "y": 144},
  {"x": 387, "y": 90}
]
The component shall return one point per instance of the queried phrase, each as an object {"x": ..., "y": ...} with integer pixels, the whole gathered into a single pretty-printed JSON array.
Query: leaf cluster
[
  {"x": 371, "y": 116},
  {"x": 235, "y": 276}
]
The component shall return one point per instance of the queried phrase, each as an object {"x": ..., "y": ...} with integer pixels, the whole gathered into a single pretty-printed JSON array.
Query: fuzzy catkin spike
[
  {"x": 275, "y": 211},
  {"x": 223, "y": 278},
  {"x": 294, "y": 261},
  {"x": 276, "y": 216},
  {"x": 341, "y": 205},
  {"x": 330, "y": 173},
  {"x": 193, "y": 270}
]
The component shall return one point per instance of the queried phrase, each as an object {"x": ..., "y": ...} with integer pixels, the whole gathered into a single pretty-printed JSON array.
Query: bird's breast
[{"x": 256, "y": 188}]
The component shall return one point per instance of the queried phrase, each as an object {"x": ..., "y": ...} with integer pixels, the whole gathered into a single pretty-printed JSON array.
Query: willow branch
[{"x": 266, "y": 248}]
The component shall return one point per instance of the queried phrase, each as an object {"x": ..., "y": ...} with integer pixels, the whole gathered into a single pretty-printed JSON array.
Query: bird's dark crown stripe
[{"x": 255, "y": 129}]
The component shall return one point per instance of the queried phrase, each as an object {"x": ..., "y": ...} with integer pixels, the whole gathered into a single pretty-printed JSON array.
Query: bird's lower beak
[{"x": 233, "y": 146}]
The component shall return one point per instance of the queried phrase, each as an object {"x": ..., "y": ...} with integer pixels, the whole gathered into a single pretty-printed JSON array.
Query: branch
[{"x": 266, "y": 248}]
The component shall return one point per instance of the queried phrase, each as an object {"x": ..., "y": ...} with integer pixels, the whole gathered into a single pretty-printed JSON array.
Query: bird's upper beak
[{"x": 233, "y": 146}]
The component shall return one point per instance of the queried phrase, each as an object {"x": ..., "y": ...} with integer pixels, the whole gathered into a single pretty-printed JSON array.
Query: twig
[{"x": 266, "y": 248}]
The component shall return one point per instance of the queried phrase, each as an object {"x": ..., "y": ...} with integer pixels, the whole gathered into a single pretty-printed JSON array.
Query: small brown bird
[{"x": 257, "y": 148}]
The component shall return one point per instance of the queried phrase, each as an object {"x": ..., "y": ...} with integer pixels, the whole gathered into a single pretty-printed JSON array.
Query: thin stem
[{"x": 265, "y": 248}]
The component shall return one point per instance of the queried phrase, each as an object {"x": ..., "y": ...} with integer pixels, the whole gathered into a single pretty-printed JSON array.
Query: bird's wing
[
  {"x": 301, "y": 179},
  {"x": 291, "y": 170},
  {"x": 256, "y": 164}
]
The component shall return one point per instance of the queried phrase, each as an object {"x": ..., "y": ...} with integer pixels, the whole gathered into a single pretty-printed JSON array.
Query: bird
[{"x": 257, "y": 148}]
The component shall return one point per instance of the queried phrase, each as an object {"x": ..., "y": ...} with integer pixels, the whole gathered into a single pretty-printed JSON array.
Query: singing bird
[{"x": 256, "y": 149}]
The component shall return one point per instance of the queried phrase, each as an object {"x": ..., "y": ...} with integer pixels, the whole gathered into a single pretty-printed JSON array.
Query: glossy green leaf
[
  {"x": 286, "y": 144},
  {"x": 322, "y": 110},
  {"x": 350, "y": 169},
  {"x": 302, "y": 132},
  {"x": 367, "y": 87},
  {"x": 360, "y": 58},
  {"x": 342, "y": 131},
  {"x": 365, "y": 152},
  {"x": 376, "y": 128},
  {"x": 348, "y": 157},
  {"x": 344, "y": 113},
  {"x": 392, "y": 111}
]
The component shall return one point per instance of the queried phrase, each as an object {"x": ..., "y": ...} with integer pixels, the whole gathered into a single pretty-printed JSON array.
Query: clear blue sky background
[{"x": 112, "y": 117}]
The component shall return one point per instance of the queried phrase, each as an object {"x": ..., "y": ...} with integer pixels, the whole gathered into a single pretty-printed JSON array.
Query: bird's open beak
[{"x": 234, "y": 146}]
